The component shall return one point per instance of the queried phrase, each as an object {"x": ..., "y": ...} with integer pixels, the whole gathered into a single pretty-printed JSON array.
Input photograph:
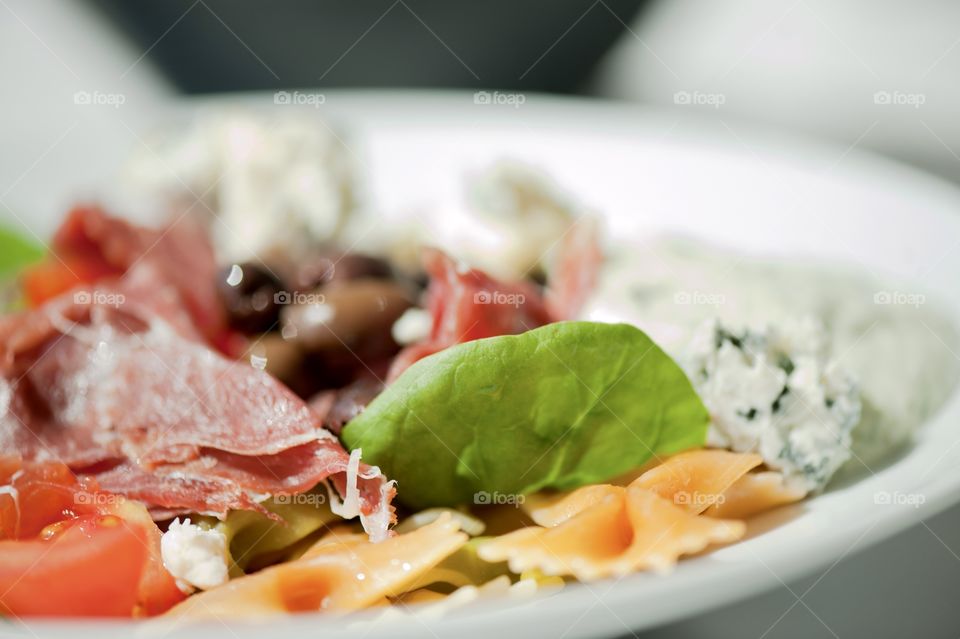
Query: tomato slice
[
  {"x": 56, "y": 276},
  {"x": 158, "y": 590},
  {"x": 52, "y": 523},
  {"x": 91, "y": 568}
]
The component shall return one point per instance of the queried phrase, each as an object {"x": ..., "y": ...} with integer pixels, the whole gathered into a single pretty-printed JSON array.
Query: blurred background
[{"x": 877, "y": 76}]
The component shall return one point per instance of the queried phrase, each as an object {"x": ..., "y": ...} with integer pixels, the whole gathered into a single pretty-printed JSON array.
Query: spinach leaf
[
  {"x": 560, "y": 406},
  {"x": 16, "y": 252}
]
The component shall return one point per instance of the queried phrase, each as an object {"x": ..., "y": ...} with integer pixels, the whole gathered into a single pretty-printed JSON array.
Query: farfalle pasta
[
  {"x": 605, "y": 530},
  {"x": 754, "y": 493},
  {"x": 342, "y": 572},
  {"x": 696, "y": 479}
]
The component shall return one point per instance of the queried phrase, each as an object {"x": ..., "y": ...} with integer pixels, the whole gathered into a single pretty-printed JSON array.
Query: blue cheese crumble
[{"x": 775, "y": 392}]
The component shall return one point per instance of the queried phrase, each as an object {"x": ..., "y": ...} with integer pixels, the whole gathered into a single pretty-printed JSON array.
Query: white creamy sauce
[{"x": 898, "y": 354}]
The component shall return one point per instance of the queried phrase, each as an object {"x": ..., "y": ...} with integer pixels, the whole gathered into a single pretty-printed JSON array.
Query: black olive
[
  {"x": 347, "y": 316},
  {"x": 277, "y": 356},
  {"x": 324, "y": 268},
  {"x": 252, "y": 297}
]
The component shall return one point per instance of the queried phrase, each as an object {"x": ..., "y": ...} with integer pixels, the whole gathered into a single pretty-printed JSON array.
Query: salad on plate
[{"x": 275, "y": 401}]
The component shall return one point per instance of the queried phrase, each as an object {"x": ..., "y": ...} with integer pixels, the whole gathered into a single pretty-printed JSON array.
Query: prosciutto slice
[
  {"x": 111, "y": 386},
  {"x": 178, "y": 255},
  {"x": 467, "y": 304},
  {"x": 575, "y": 269}
]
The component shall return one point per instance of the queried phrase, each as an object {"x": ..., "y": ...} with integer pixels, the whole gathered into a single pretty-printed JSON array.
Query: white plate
[{"x": 720, "y": 182}]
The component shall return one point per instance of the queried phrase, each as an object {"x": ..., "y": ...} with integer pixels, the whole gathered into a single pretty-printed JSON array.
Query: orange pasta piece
[
  {"x": 664, "y": 532},
  {"x": 338, "y": 574},
  {"x": 696, "y": 479},
  {"x": 754, "y": 493},
  {"x": 554, "y": 510},
  {"x": 626, "y": 530}
]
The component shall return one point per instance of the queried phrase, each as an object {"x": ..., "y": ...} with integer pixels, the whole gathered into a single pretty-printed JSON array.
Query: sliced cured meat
[
  {"x": 337, "y": 407},
  {"x": 467, "y": 304},
  {"x": 576, "y": 266},
  {"x": 176, "y": 492},
  {"x": 218, "y": 481},
  {"x": 149, "y": 395},
  {"x": 177, "y": 260},
  {"x": 413, "y": 354},
  {"x": 178, "y": 426}
]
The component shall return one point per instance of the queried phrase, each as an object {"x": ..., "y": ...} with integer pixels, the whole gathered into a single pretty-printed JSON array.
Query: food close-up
[{"x": 468, "y": 363}]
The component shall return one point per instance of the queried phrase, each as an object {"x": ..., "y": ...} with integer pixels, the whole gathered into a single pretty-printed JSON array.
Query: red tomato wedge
[
  {"x": 68, "y": 549},
  {"x": 56, "y": 276},
  {"x": 91, "y": 568}
]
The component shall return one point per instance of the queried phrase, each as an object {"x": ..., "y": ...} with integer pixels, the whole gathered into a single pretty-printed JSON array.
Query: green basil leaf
[
  {"x": 16, "y": 252},
  {"x": 560, "y": 406}
]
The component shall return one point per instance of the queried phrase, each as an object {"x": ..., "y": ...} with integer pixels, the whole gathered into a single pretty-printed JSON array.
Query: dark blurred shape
[
  {"x": 249, "y": 293},
  {"x": 231, "y": 45}
]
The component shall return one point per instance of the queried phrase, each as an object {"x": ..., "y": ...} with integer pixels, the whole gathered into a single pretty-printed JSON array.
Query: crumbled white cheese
[
  {"x": 506, "y": 221},
  {"x": 412, "y": 327},
  {"x": 195, "y": 556},
  {"x": 775, "y": 393},
  {"x": 271, "y": 188},
  {"x": 350, "y": 506},
  {"x": 527, "y": 212},
  {"x": 377, "y": 523}
]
